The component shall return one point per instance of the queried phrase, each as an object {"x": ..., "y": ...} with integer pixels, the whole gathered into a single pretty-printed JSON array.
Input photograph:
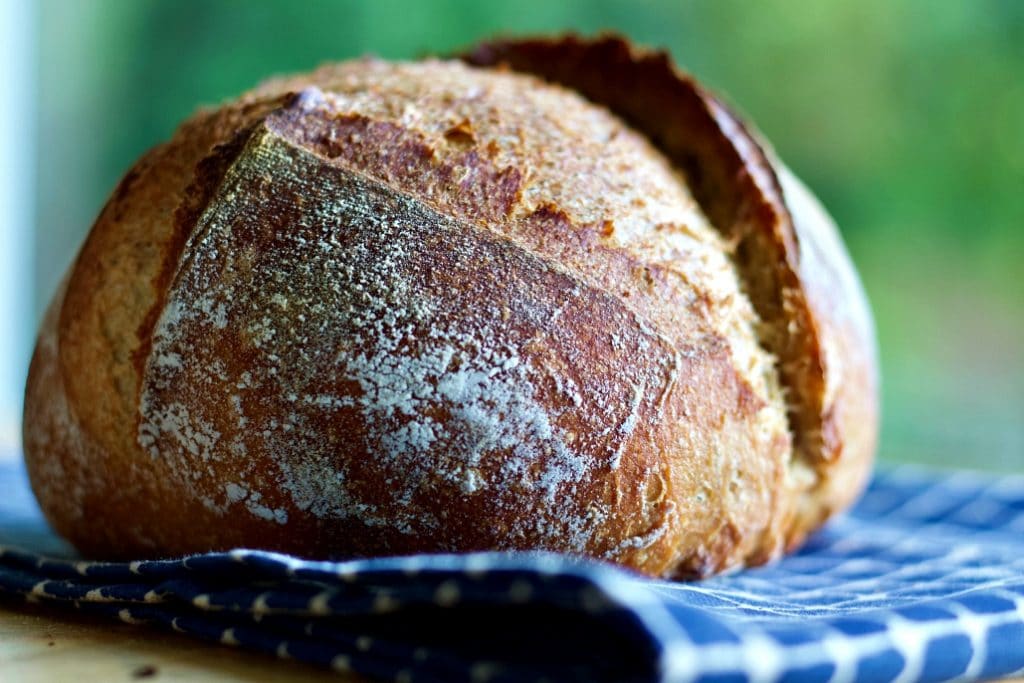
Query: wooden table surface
[{"x": 41, "y": 645}]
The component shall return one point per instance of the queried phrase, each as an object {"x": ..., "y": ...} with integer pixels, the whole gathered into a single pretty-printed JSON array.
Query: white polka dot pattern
[{"x": 924, "y": 581}]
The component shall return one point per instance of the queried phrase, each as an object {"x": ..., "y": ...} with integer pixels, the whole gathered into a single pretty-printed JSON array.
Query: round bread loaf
[{"x": 553, "y": 295}]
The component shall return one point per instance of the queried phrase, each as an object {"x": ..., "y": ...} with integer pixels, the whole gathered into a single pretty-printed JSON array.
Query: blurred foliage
[{"x": 905, "y": 116}]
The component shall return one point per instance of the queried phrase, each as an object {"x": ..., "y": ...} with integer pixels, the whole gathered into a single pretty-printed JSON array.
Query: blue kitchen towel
[{"x": 923, "y": 581}]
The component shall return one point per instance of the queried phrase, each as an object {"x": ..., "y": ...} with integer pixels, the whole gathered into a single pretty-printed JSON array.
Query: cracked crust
[{"x": 420, "y": 307}]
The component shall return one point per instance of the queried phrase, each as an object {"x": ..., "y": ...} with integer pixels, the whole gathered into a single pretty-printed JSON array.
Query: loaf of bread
[{"x": 550, "y": 295}]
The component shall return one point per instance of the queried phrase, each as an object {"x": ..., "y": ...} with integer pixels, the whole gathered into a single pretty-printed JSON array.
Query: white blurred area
[{"x": 17, "y": 185}]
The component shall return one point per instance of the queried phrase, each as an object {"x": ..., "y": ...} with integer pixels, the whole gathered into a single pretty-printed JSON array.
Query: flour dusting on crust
[{"x": 384, "y": 372}]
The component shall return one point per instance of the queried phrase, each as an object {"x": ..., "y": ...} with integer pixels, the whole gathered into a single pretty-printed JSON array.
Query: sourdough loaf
[{"x": 553, "y": 295}]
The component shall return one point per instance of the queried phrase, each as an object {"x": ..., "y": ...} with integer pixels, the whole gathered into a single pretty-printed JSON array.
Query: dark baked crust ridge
[
  {"x": 736, "y": 184},
  {"x": 727, "y": 171}
]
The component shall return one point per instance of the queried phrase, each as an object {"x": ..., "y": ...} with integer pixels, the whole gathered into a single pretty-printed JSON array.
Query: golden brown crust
[{"x": 323, "y": 320}]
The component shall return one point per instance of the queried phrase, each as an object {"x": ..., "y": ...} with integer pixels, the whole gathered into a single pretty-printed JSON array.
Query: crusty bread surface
[{"x": 552, "y": 296}]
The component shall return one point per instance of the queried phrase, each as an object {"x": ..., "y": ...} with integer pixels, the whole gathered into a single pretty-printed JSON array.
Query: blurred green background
[{"x": 905, "y": 116}]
